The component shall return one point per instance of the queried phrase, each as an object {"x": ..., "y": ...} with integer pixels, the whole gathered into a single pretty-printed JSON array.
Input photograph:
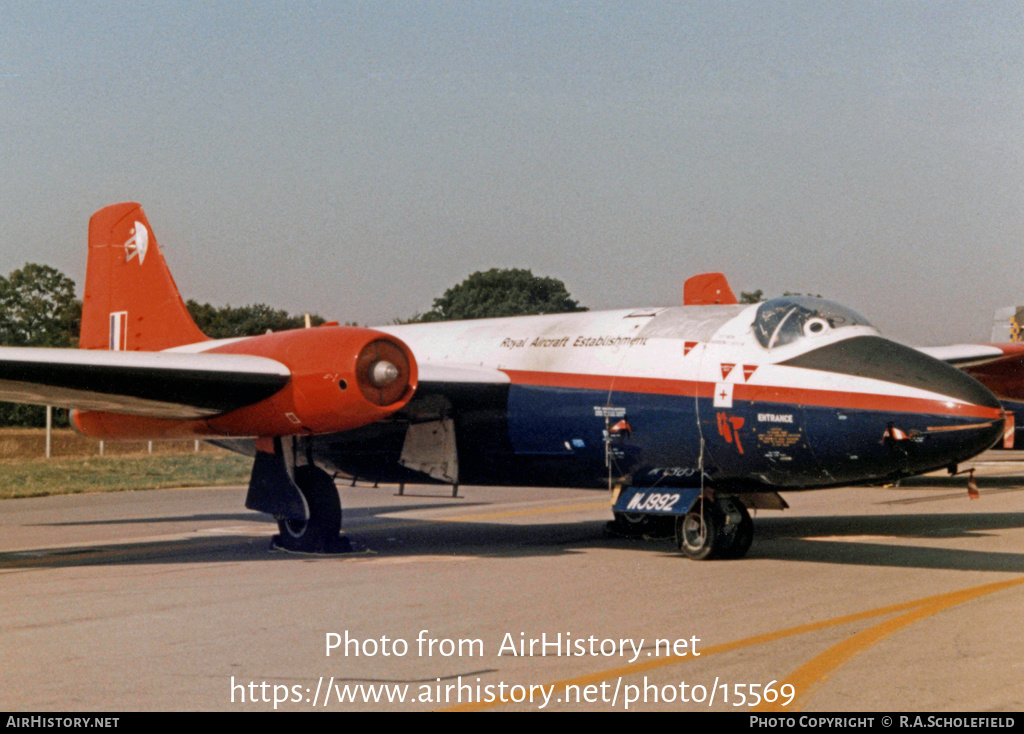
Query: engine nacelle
[{"x": 342, "y": 378}]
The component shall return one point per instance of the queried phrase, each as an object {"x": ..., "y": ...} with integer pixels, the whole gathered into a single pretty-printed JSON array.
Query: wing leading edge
[{"x": 155, "y": 384}]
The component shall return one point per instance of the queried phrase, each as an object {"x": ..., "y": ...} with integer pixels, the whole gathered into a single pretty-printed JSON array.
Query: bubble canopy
[{"x": 789, "y": 319}]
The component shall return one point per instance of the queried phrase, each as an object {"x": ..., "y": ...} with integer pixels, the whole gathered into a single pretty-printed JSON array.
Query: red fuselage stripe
[{"x": 796, "y": 396}]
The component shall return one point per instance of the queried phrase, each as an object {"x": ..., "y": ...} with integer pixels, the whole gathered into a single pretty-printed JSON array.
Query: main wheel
[
  {"x": 318, "y": 534},
  {"x": 697, "y": 533}
]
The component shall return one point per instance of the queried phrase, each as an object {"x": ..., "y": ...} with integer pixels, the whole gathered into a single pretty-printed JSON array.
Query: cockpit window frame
[{"x": 787, "y": 320}]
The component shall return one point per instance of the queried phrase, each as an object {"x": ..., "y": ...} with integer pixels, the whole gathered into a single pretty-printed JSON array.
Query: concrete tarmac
[{"x": 859, "y": 600}]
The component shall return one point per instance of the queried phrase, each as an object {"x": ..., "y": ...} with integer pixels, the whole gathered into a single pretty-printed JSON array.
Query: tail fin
[
  {"x": 1006, "y": 326},
  {"x": 131, "y": 301}
]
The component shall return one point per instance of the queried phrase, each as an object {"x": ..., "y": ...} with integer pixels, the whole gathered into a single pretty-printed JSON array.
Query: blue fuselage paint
[{"x": 555, "y": 435}]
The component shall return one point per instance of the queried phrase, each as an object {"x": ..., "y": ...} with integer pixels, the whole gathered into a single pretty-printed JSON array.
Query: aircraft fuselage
[{"x": 656, "y": 397}]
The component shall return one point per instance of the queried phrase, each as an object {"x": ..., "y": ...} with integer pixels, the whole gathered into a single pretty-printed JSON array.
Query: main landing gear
[
  {"x": 319, "y": 533},
  {"x": 302, "y": 497},
  {"x": 715, "y": 528}
]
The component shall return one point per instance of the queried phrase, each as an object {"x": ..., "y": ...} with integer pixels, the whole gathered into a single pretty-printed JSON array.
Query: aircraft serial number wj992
[{"x": 692, "y": 413}]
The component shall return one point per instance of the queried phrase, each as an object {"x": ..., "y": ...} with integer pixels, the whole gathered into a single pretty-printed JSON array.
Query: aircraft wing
[
  {"x": 444, "y": 388},
  {"x": 435, "y": 376},
  {"x": 969, "y": 355},
  {"x": 1000, "y": 367},
  {"x": 156, "y": 384}
]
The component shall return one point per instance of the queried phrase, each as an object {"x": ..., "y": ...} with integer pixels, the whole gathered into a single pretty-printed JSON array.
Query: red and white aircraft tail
[
  {"x": 1006, "y": 325},
  {"x": 131, "y": 302}
]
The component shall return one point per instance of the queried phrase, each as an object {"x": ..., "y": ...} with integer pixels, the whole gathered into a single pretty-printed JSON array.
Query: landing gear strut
[
  {"x": 320, "y": 532},
  {"x": 715, "y": 528},
  {"x": 301, "y": 496}
]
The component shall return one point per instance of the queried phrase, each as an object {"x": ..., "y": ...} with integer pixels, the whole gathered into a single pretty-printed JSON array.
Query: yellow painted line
[
  {"x": 707, "y": 651},
  {"x": 813, "y": 674},
  {"x": 913, "y": 611}
]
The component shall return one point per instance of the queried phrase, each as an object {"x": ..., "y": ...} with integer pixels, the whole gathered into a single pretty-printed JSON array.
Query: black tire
[
  {"x": 741, "y": 537},
  {"x": 697, "y": 535},
  {"x": 320, "y": 533}
]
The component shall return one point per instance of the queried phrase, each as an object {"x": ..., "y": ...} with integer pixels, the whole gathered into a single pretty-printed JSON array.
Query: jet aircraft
[
  {"x": 691, "y": 413},
  {"x": 998, "y": 365},
  {"x": 1000, "y": 368}
]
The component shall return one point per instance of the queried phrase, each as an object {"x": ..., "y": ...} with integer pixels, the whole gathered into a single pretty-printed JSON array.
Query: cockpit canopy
[{"x": 785, "y": 320}]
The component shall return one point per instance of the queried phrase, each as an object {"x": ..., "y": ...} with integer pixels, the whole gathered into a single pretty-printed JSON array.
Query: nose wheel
[{"x": 718, "y": 528}]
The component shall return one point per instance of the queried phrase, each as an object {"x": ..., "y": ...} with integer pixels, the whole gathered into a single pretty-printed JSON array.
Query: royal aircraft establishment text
[{"x": 580, "y": 341}]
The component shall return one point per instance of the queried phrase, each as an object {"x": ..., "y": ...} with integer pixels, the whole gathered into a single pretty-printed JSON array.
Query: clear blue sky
[{"x": 355, "y": 159}]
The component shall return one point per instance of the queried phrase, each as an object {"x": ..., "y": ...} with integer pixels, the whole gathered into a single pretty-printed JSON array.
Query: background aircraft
[
  {"x": 692, "y": 413},
  {"x": 999, "y": 367}
]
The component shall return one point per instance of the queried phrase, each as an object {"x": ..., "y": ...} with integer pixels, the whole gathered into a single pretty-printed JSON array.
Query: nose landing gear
[{"x": 715, "y": 528}]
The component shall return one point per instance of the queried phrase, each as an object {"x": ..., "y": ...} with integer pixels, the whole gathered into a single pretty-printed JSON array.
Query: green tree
[
  {"x": 38, "y": 308},
  {"x": 502, "y": 292},
  {"x": 224, "y": 322}
]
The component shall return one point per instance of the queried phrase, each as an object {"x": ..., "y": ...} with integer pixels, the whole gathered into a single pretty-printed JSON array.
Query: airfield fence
[{"x": 30, "y": 443}]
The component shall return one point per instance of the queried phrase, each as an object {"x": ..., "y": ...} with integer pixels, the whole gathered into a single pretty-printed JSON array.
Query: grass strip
[{"x": 40, "y": 477}]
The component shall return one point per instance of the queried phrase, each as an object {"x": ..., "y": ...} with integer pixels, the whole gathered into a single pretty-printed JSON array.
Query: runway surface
[{"x": 870, "y": 599}]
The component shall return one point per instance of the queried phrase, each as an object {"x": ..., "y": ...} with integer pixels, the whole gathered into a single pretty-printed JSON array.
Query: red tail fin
[{"x": 131, "y": 301}]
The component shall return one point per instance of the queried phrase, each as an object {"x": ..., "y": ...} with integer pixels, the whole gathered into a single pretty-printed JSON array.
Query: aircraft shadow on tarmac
[
  {"x": 957, "y": 484},
  {"x": 240, "y": 516},
  {"x": 395, "y": 538},
  {"x": 819, "y": 540},
  {"x": 778, "y": 538}
]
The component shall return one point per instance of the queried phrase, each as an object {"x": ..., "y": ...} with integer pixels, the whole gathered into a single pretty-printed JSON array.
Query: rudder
[{"x": 131, "y": 301}]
